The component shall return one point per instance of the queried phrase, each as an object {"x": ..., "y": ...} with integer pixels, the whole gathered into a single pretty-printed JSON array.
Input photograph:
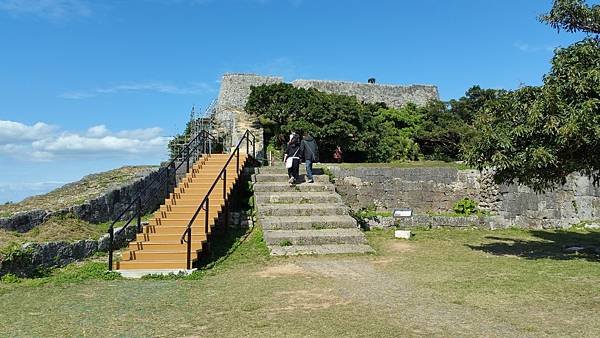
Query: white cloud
[
  {"x": 49, "y": 9},
  {"x": 97, "y": 131},
  {"x": 15, "y": 132},
  {"x": 41, "y": 142},
  {"x": 526, "y": 47},
  {"x": 193, "y": 88}
]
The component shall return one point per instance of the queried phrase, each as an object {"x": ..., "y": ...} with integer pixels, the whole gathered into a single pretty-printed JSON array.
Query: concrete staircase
[
  {"x": 159, "y": 246},
  {"x": 307, "y": 218}
]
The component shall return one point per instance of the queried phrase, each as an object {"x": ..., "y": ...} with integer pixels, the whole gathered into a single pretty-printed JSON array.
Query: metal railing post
[
  {"x": 237, "y": 161},
  {"x": 206, "y": 216},
  {"x": 189, "y": 247},
  {"x": 111, "y": 235},
  {"x": 139, "y": 214},
  {"x": 253, "y": 146},
  {"x": 225, "y": 202},
  {"x": 187, "y": 159}
]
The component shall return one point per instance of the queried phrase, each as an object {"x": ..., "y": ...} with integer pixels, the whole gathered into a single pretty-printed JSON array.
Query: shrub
[{"x": 465, "y": 206}]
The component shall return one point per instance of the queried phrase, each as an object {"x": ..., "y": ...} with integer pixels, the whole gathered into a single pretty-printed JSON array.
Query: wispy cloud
[
  {"x": 193, "y": 88},
  {"x": 48, "y": 9},
  {"x": 526, "y": 47},
  {"x": 19, "y": 141}
]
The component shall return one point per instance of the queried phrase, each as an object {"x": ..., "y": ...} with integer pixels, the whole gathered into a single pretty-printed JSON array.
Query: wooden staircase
[{"x": 159, "y": 246}]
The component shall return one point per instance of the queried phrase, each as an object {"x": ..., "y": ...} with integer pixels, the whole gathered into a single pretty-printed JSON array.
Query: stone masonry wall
[
  {"x": 393, "y": 95},
  {"x": 437, "y": 189},
  {"x": 231, "y": 120}
]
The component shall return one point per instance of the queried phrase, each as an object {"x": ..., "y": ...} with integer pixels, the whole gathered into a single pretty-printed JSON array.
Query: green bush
[
  {"x": 366, "y": 132},
  {"x": 465, "y": 206}
]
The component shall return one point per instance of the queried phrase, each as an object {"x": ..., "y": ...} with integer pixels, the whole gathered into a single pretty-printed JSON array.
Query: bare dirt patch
[
  {"x": 399, "y": 246},
  {"x": 307, "y": 300},
  {"x": 284, "y": 270}
]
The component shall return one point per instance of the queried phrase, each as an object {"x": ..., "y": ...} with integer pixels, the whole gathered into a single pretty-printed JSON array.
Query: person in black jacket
[
  {"x": 309, "y": 151},
  {"x": 293, "y": 152}
]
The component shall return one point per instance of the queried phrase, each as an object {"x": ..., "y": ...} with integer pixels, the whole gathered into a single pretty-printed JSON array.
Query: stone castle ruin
[{"x": 231, "y": 120}]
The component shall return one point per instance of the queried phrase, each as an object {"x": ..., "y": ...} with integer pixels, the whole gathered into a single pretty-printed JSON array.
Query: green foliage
[
  {"x": 539, "y": 135},
  {"x": 9, "y": 278},
  {"x": 465, "y": 206},
  {"x": 366, "y": 132},
  {"x": 286, "y": 242},
  {"x": 573, "y": 16}
]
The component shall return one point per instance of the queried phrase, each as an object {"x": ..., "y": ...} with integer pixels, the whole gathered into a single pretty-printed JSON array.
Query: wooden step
[
  {"x": 151, "y": 265},
  {"x": 177, "y": 221},
  {"x": 163, "y": 246},
  {"x": 175, "y": 238},
  {"x": 184, "y": 206},
  {"x": 142, "y": 255},
  {"x": 175, "y": 229},
  {"x": 184, "y": 213}
]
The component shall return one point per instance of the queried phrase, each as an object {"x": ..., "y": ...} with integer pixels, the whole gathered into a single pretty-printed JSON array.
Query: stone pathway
[{"x": 307, "y": 218}]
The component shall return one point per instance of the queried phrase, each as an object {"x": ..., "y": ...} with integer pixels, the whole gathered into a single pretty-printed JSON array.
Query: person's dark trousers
[
  {"x": 294, "y": 171},
  {"x": 309, "y": 171}
]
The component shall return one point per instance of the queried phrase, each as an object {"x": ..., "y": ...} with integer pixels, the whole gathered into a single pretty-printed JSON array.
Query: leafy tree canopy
[{"x": 539, "y": 135}]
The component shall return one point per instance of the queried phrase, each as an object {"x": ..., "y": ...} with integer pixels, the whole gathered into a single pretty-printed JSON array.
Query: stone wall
[
  {"x": 231, "y": 120},
  {"x": 427, "y": 190},
  {"x": 393, "y": 95},
  {"x": 101, "y": 209},
  {"x": 36, "y": 256}
]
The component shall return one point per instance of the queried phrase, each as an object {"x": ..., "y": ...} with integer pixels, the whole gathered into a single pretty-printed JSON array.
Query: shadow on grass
[
  {"x": 559, "y": 245},
  {"x": 222, "y": 245}
]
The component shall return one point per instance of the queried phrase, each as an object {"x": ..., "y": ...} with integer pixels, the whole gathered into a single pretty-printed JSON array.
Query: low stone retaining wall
[
  {"x": 32, "y": 257},
  {"x": 434, "y": 190},
  {"x": 432, "y": 221},
  {"x": 101, "y": 209}
]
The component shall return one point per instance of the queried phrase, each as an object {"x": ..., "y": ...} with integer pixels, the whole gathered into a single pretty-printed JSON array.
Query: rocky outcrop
[{"x": 101, "y": 209}]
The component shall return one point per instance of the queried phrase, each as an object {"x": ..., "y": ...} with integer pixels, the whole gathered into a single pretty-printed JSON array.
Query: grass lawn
[{"x": 441, "y": 283}]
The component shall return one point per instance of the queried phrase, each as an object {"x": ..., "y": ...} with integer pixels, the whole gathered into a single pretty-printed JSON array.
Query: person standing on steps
[
  {"x": 309, "y": 151},
  {"x": 292, "y": 158}
]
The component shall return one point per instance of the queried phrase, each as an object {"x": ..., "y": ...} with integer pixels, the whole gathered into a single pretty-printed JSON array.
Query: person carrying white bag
[{"x": 291, "y": 158}]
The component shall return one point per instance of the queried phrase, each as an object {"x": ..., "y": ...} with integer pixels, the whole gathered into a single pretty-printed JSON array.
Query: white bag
[{"x": 289, "y": 162}]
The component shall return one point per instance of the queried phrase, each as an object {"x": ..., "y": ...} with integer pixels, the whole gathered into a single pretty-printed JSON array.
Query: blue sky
[{"x": 87, "y": 86}]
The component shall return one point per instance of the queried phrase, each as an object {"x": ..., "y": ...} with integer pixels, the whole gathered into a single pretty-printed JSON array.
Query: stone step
[
  {"x": 308, "y": 222},
  {"x": 280, "y": 186},
  {"x": 313, "y": 237},
  {"x": 280, "y": 177},
  {"x": 283, "y": 170},
  {"x": 317, "y": 209},
  {"x": 297, "y": 197},
  {"x": 326, "y": 249}
]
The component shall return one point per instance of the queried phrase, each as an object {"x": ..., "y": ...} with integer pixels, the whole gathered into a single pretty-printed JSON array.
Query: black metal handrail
[
  {"x": 184, "y": 154},
  {"x": 205, "y": 204}
]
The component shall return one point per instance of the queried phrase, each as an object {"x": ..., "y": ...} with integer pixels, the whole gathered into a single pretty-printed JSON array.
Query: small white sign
[
  {"x": 402, "y": 234},
  {"x": 402, "y": 212}
]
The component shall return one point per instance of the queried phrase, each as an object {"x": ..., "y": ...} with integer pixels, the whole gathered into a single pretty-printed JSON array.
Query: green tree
[{"x": 539, "y": 135}]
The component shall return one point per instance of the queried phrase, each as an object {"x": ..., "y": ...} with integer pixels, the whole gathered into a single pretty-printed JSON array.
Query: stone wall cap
[{"x": 391, "y": 85}]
